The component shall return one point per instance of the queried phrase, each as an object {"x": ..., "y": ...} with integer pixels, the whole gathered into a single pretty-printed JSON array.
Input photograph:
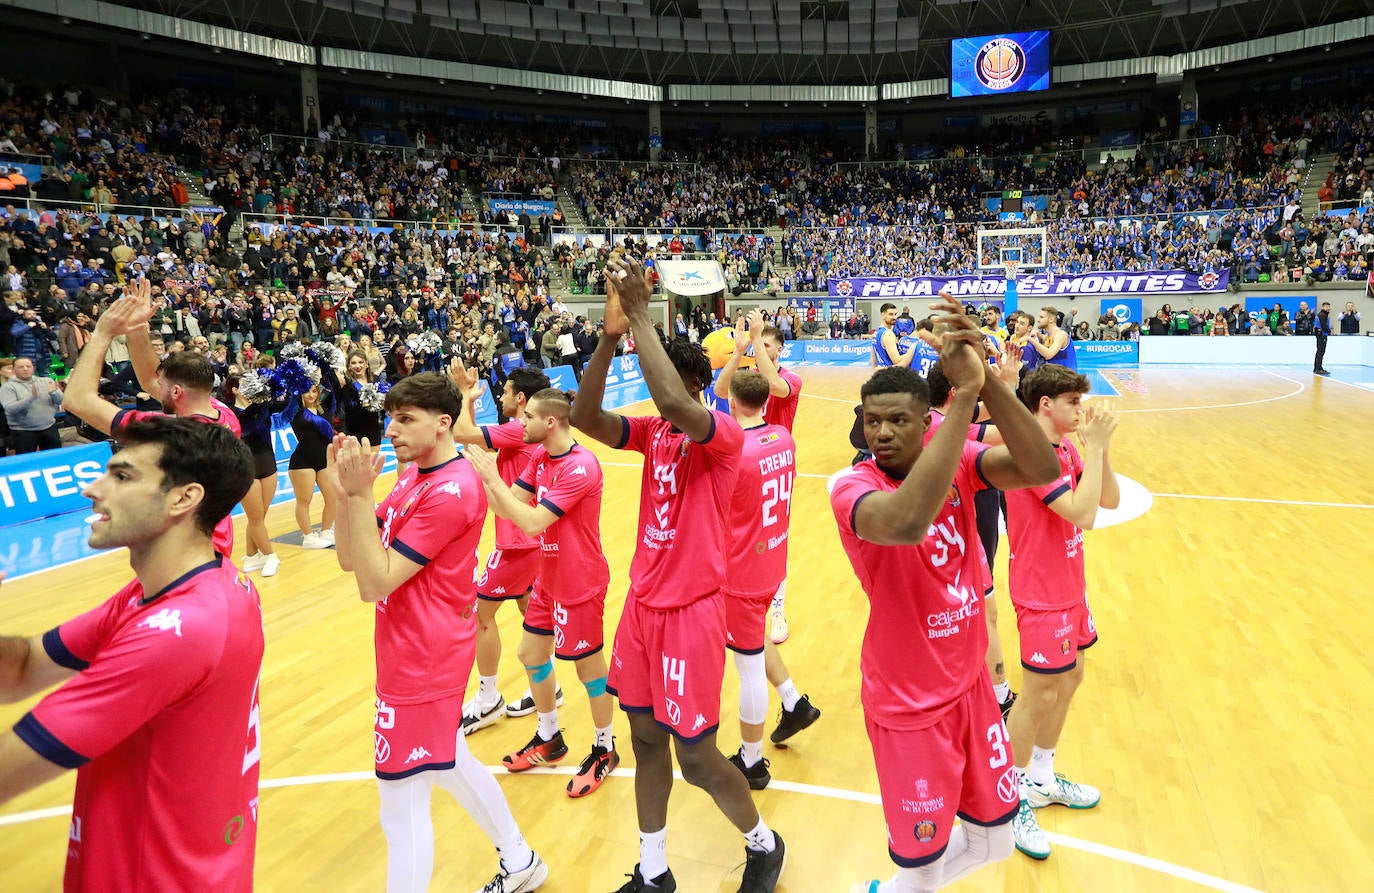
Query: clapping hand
[
  {"x": 1009, "y": 365},
  {"x": 466, "y": 379},
  {"x": 354, "y": 465},
  {"x": 484, "y": 464},
  {"x": 961, "y": 354},
  {"x": 1099, "y": 422}
]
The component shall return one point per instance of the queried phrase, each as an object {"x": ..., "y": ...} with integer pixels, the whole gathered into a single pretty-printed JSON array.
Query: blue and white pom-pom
[
  {"x": 326, "y": 354},
  {"x": 372, "y": 395},
  {"x": 296, "y": 376},
  {"x": 424, "y": 344},
  {"x": 255, "y": 386},
  {"x": 291, "y": 351}
]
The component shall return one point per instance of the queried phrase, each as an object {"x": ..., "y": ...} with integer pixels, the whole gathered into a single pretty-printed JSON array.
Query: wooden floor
[{"x": 1225, "y": 715}]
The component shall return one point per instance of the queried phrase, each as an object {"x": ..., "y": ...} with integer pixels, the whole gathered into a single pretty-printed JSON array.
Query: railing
[
  {"x": 92, "y": 208},
  {"x": 271, "y": 141},
  {"x": 27, "y": 158}
]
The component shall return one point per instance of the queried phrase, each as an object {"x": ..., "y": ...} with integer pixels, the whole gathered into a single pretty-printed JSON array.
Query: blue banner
[
  {"x": 530, "y": 206},
  {"x": 1041, "y": 284},
  {"x": 624, "y": 383},
  {"x": 37, "y": 485},
  {"x": 1102, "y": 354},
  {"x": 1126, "y": 310},
  {"x": 1255, "y": 306}
]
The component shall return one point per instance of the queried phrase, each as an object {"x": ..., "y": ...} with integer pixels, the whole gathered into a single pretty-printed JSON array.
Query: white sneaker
[
  {"x": 254, "y": 562},
  {"x": 475, "y": 716},
  {"x": 778, "y": 626},
  {"x": 269, "y": 569},
  {"x": 1025, "y": 830},
  {"x": 525, "y": 706},
  {"x": 313, "y": 540},
  {"x": 1064, "y": 792},
  {"x": 328, "y": 535},
  {"x": 531, "y": 878}
]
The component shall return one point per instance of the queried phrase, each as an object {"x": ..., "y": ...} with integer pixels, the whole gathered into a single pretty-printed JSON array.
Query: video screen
[{"x": 999, "y": 63}]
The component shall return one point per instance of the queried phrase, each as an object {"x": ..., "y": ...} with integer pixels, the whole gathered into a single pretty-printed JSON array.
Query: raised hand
[
  {"x": 1099, "y": 423},
  {"x": 756, "y": 324},
  {"x": 466, "y": 379},
  {"x": 961, "y": 353},
  {"x": 484, "y": 464},
  {"x": 1009, "y": 365},
  {"x": 625, "y": 283},
  {"x": 357, "y": 469}
]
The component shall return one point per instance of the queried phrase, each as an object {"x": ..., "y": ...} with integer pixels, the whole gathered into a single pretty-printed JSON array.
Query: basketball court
[{"x": 1219, "y": 715}]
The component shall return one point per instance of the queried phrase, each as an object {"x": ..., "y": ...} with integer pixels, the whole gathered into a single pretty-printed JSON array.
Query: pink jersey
[
  {"x": 162, "y": 726},
  {"x": 574, "y": 568},
  {"x": 759, "y": 523},
  {"x": 782, "y": 411},
  {"x": 512, "y": 456},
  {"x": 223, "y": 538},
  {"x": 926, "y": 638},
  {"x": 1046, "y": 558},
  {"x": 680, "y": 556},
  {"x": 937, "y": 418},
  {"x": 426, "y": 630}
]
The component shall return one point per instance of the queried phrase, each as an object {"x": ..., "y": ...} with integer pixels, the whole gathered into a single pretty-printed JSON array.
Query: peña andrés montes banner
[{"x": 1178, "y": 282}]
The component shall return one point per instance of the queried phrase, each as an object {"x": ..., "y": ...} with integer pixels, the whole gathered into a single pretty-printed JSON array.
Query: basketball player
[
  {"x": 564, "y": 618},
  {"x": 885, "y": 352},
  {"x": 415, "y": 558},
  {"x": 784, "y": 393},
  {"x": 182, "y": 382},
  {"x": 158, "y": 710},
  {"x": 1049, "y": 590},
  {"x": 906, "y": 521},
  {"x": 668, "y": 660},
  {"x": 513, "y": 565},
  {"x": 760, "y": 515},
  {"x": 921, "y": 348},
  {"x": 1050, "y": 341}
]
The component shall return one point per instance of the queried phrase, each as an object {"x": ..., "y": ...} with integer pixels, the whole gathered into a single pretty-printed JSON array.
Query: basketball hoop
[{"x": 1011, "y": 266}]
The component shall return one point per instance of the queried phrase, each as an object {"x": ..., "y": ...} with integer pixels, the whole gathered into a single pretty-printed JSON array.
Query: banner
[
  {"x": 1150, "y": 282},
  {"x": 1126, "y": 310},
  {"x": 691, "y": 277},
  {"x": 37, "y": 485},
  {"x": 530, "y": 206},
  {"x": 1101, "y": 354},
  {"x": 1256, "y": 306}
]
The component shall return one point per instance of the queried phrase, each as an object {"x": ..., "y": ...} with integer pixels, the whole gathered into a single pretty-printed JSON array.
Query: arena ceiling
[{"x": 753, "y": 41}]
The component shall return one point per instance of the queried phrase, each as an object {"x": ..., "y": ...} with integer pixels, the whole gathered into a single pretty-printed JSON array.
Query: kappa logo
[
  {"x": 453, "y": 488},
  {"x": 499, "y": 590},
  {"x": 164, "y": 620},
  {"x": 698, "y": 722},
  {"x": 582, "y": 645},
  {"x": 418, "y": 753},
  {"x": 579, "y": 471},
  {"x": 1038, "y": 658}
]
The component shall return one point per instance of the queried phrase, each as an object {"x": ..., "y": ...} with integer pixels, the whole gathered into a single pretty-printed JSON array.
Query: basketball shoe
[
  {"x": 778, "y": 631},
  {"x": 757, "y": 775},
  {"x": 790, "y": 722},
  {"x": 254, "y": 562},
  {"x": 475, "y": 716},
  {"x": 1062, "y": 791},
  {"x": 664, "y": 883},
  {"x": 1025, "y": 831},
  {"x": 525, "y": 706},
  {"x": 1006, "y": 705},
  {"x": 598, "y": 764},
  {"x": 537, "y": 753},
  {"x": 762, "y": 870},
  {"x": 529, "y": 878}
]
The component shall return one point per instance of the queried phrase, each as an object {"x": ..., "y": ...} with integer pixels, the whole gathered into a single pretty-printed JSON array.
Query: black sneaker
[
  {"x": 762, "y": 870},
  {"x": 525, "y": 706},
  {"x": 757, "y": 774},
  {"x": 664, "y": 883},
  {"x": 1006, "y": 705},
  {"x": 790, "y": 722}
]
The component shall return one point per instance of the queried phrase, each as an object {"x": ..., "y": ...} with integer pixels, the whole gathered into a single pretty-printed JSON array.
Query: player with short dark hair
[
  {"x": 415, "y": 557},
  {"x": 668, "y": 661},
  {"x": 885, "y": 345},
  {"x": 566, "y": 612},
  {"x": 1045, "y": 525},
  {"x": 513, "y": 565},
  {"x": 907, "y": 524},
  {"x": 760, "y": 517},
  {"x": 158, "y": 710}
]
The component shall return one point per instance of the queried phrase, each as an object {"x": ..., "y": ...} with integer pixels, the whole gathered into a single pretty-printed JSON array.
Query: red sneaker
[
  {"x": 598, "y": 764},
  {"x": 537, "y": 753}
]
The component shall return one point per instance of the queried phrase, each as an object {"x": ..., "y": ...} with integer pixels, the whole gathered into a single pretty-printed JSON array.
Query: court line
[{"x": 1073, "y": 843}]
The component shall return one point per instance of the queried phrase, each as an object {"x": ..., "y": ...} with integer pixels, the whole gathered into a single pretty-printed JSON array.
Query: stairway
[
  {"x": 1316, "y": 175},
  {"x": 572, "y": 214}
]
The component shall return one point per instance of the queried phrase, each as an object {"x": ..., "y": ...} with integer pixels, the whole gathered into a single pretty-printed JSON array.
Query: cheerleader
[
  {"x": 251, "y": 394},
  {"x": 309, "y": 465},
  {"x": 360, "y": 400}
]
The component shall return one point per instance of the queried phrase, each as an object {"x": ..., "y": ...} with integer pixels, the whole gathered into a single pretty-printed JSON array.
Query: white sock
[
  {"x": 1021, "y": 782},
  {"x": 779, "y": 597},
  {"x": 788, "y": 692},
  {"x": 409, "y": 833},
  {"x": 761, "y": 838},
  {"x": 653, "y": 853},
  {"x": 548, "y": 725},
  {"x": 906, "y": 880},
  {"x": 751, "y": 752},
  {"x": 605, "y": 737},
  {"x": 1041, "y": 769},
  {"x": 480, "y": 796},
  {"x": 1003, "y": 691},
  {"x": 487, "y": 692}
]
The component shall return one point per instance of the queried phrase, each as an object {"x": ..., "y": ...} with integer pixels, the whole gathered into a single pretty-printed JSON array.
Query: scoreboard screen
[{"x": 995, "y": 64}]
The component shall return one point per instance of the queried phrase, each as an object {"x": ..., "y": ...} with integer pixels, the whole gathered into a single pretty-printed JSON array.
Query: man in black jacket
[{"x": 1322, "y": 331}]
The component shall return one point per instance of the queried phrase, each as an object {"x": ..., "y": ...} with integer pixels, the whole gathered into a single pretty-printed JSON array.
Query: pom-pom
[
  {"x": 326, "y": 354},
  {"x": 290, "y": 351},
  {"x": 255, "y": 387},
  {"x": 296, "y": 376},
  {"x": 372, "y": 395},
  {"x": 424, "y": 344}
]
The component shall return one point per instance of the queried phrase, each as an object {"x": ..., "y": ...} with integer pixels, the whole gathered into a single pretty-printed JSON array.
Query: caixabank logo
[{"x": 999, "y": 63}]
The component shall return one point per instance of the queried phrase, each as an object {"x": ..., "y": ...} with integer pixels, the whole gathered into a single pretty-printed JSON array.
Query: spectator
[{"x": 30, "y": 403}]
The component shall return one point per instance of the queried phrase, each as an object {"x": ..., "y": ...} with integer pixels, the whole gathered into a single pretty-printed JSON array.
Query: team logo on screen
[{"x": 1000, "y": 63}]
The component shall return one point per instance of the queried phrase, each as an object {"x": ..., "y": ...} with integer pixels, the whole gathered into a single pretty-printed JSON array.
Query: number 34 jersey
[{"x": 926, "y": 638}]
